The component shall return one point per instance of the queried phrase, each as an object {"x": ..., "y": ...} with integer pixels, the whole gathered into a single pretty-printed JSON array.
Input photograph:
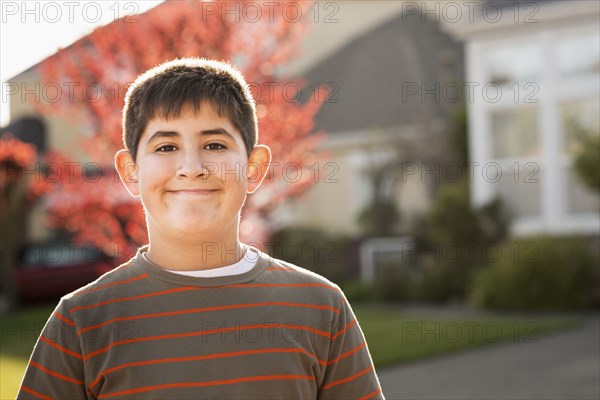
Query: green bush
[
  {"x": 587, "y": 161},
  {"x": 379, "y": 218},
  {"x": 312, "y": 249},
  {"x": 453, "y": 220},
  {"x": 540, "y": 274},
  {"x": 453, "y": 241},
  {"x": 358, "y": 291},
  {"x": 392, "y": 284},
  {"x": 440, "y": 283}
]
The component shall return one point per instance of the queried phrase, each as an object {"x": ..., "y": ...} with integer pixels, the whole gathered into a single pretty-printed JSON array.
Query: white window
[
  {"x": 534, "y": 142},
  {"x": 515, "y": 147},
  {"x": 514, "y": 133},
  {"x": 580, "y": 118},
  {"x": 580, "y": 199},
  {"x": 578, "y": 56},
  {"x": 506, "y": 64},
  {"x": 519, "y": 188}
]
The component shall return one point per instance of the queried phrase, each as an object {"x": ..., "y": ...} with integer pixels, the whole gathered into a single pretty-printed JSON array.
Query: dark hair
[{"x": 164, "y": 90}]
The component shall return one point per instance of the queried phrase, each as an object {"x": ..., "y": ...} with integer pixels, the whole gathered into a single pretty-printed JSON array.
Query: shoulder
[
  {"x": 291, "y": 275},
  {"x": 296, "y": 272},
  {"x": 110, "y": 283}
]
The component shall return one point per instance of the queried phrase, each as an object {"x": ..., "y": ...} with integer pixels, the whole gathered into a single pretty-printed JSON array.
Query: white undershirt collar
[{"x": 247, "y": 262}]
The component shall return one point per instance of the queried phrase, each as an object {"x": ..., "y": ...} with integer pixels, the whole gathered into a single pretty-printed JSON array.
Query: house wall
[
  {"x": 335, "y": 201},
  {"x": 548, "y": 74},
  {"x": 60, "y": 135}
]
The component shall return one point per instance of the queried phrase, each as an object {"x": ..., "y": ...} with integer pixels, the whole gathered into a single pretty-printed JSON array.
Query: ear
[
  {"x": 128, "y": 171},
  {"x": 258, "y": 165}
]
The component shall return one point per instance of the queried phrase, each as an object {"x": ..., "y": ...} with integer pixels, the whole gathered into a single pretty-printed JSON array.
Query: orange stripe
[
  {"x": 278, "y": 269},
  {"x": 346, "y": 354},
  {"x": 249, "y": 285},
  {"x": 33, "y": 392},
  {"x": 59, "y": 347},
  {"x": 141, "y": 296},
  {"x": 348, "y": 379},
  {"x": 56, "y": 374},
  {"x": 209, "y": 383},
  {"x": 371, "y": 395},
  {"x": 64, "y": 319},
  {"x": 204, "y": 357},
  {"x": 205, "y": 309},
  {"x": 200, "y": 333},
  {"x": 343, "y": 330},
  {"x": 283, "y": 285},
  {"x": 135, "y": 278}
]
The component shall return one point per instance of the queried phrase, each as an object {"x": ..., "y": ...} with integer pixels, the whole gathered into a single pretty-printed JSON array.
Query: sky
[{"x": 33, "y": 30}]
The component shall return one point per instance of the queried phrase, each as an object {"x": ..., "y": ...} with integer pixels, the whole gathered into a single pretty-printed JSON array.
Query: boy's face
[{"x": 192, "y": 174}]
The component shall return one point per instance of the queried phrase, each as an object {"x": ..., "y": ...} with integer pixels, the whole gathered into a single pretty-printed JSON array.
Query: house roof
[{"x": 374, "y": 74}]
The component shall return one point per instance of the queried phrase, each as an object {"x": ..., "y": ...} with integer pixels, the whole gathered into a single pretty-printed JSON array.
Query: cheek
[
  {"x": 233, "y": 172},
  {"x": 230, "y": 169},
  {"x": 153, "y": 171}
]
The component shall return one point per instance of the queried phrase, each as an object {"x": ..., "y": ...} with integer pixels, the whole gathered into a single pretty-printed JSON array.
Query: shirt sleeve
[
  {"x": 55, "y": 369},
  {"x": 350, "y": 373}
]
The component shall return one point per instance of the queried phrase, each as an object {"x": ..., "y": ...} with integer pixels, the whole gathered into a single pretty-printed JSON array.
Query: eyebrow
[{"x": 206, "y": 132}]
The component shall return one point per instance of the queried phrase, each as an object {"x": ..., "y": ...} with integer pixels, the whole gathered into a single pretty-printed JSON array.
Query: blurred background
[{"x": 440, "y": 161}]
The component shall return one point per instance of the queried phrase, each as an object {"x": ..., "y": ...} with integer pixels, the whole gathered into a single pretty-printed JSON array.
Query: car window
[{"x": 59, "y": 255}]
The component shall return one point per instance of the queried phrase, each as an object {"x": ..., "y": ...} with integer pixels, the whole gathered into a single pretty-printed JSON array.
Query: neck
[{"x": 181, "y": 255}]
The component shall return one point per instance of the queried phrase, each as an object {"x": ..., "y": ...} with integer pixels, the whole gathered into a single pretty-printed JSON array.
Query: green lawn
[
  {"x": 393, "y": 337},
  {"x": 17, "y": 337}
]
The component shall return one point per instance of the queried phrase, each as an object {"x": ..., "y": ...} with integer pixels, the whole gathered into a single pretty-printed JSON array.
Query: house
[
  {"x": 46, "y": 132},
  {"x": 536, "y": 68},
  {"x": 385, "y": 113}
]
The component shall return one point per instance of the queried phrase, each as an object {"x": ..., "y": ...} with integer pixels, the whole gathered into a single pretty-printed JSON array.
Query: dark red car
[{"x": 50, "y": 270}]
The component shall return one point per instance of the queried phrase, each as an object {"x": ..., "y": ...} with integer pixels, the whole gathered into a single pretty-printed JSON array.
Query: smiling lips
[{"x": 193, "y": 192}]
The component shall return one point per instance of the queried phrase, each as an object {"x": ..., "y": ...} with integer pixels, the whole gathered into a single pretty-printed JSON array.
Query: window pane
[
  {"x": 580, "y": 199},
  {"x": 579, "y": 55},
  {"x": 514, "y": 133},
  {"x": 520, "y": 192},
  {"x": 580, "y": 118},
  {"x": 514, "y": 63}
]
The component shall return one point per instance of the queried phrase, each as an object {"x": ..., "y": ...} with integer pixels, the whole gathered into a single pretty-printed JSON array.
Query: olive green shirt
[{"x": 277, "y": 331}]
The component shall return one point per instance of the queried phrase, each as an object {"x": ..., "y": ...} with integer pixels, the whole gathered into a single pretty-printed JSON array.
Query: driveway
[{"x": 563, "y": 365}]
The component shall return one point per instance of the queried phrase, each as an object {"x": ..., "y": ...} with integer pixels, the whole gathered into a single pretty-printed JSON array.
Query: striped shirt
[{"x": 276, "y": 331}]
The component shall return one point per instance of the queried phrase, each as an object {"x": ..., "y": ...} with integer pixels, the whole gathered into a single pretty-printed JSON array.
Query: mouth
[{"x": 193, "y": 192}]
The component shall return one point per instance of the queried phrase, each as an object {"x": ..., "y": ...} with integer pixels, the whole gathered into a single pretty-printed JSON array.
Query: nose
[{"x": 191, "y": 166}]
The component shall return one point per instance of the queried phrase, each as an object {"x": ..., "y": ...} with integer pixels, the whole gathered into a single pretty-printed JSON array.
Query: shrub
[
  {"x": 453, "y": 220},
  {"x": 379, "y": 218},
  {"x": 442, "y": 282},
  {"x": 587, "y": 159},
  {"x": 539, "y": 274},
  {"x": 358, "y": 291},
  {"x": 453, "y": 241},
  {"x": 312, "y": 249},
  {"x": 392, "y": 283}
]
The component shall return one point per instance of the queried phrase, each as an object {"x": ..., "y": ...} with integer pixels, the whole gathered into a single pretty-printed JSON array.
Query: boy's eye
[
  {"x": 166, "y": 148},
  {"x": 215, "y": 146}
]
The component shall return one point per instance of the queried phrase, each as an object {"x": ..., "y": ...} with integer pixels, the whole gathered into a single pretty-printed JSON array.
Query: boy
[{"x": 181, "y": 320}]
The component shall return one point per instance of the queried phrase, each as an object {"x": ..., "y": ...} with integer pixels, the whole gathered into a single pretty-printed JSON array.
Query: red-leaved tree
[
  {"x": 89, "y": 200},
  {"x": 19, "y": 191}
]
